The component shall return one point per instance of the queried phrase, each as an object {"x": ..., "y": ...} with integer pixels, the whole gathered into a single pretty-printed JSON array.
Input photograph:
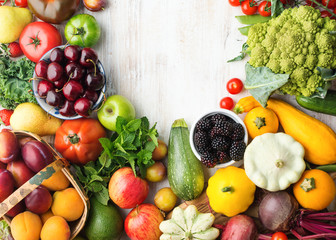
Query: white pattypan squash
[
  {"x": 189, "y": 224},
  {"x": 273, "y": 161}
]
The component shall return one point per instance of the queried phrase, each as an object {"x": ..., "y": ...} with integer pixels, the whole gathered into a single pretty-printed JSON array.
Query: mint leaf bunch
[{"x": 131, "y": 145}]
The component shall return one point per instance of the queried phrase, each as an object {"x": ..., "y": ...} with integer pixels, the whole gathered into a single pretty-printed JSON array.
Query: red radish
[{"x": 240, "y": 227}]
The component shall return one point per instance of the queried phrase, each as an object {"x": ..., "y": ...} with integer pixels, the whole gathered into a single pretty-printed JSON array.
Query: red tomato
[
  {"x": 283, "y": 1},
  {"x": 234, "y": 86},
  {"x": 249, "y": 7},
  {"x": 37, "y": 38},
  {"x": 21, "y": 3},
  {"x": 279, "y": 236},
  {"x": 234, "y": 3},
  {"x": 325, "y": 14},
  {"x": 226, "y": 103},
  {"x": 264, "y": 8},
  {"x": 331, "y": 4}
]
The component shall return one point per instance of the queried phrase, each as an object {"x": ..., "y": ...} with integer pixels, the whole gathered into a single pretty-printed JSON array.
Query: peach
[
  {"x": 26, "y": 226},
  {"x": 67, "y": 204},
  {"x": 58, "y": 181},
  {"x": 45, "y": 216},
  {"x": 55, "y": 228}
]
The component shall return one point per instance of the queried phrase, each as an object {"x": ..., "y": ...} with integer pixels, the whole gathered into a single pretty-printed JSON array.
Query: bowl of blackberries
[
  {"x": 218, "y": 139},
  {"x": 69, "y": 82}
]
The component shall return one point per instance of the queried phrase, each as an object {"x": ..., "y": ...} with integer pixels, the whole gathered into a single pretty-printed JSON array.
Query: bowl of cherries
[{"x": 69, "y": 82}]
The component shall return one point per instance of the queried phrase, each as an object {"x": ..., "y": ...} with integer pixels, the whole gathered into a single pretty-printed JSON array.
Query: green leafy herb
[
  {"x": 131, "y": 145},
  {"x": 4, "y": 231},
  {"x": 242, "y": 55},
  {"x": 262, "y": 82},
  {"x": 276, "y": 8},
  {"x": 15, "y": 87}
]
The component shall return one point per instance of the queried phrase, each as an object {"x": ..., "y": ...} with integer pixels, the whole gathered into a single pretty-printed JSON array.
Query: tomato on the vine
[
  {"x": 21, "y": 3},
  {"x": 279, "y": 236},
  {"x": 249, "y": 7},
  {"x": 37, "y": 38},
  {"x": 234, "y": 86},
  {"x": 331, "y": 3},
  {"x": 234, "y": 3},
  {"x": 264, "y": 8},
  {"x": 226, "y": 103},
  {"x": 326, "y": 14}
]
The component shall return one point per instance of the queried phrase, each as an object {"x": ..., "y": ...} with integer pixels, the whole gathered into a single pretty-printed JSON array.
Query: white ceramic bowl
[
  {"x": 54, "y": 111},
  {"x": 226, "y": 113}
]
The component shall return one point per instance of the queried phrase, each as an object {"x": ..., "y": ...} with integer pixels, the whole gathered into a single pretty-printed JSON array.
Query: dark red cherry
[
  {"x": 55, "y": 98},
  {"x": 82, "y": 107},
  {"x": 67, "y": 109},
  {"x": 60, "y": 82},
  {"x": 57, "y": 55},
  {"x": 72, "y": 53},
  {"x": 94, "y": 81},
  {"x": 88, "y": 58},
  {"x": 54, "y": 72},
  {"x": 91, "y": 95},
  {"x": 41, "y": 69},
  {"x": 44, "y": 87},
  {"x": 72, "y": 90},
  {"x": 74, "y": 71}
]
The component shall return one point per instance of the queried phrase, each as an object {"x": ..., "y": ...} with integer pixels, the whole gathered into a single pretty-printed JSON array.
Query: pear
[
  {"x": 32, "y": 118},
  {"x": 13, "y": 20}
]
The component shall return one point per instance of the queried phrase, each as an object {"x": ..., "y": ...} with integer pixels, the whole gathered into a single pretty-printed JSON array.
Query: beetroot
[{"x": 240, "y": 227}]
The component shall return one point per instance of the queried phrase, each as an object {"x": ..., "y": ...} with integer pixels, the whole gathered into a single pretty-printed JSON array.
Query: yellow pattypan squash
[{"x": 230, "y": 191}]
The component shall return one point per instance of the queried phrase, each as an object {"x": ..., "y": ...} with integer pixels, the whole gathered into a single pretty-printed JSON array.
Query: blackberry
[
  {"x": 223, "y": 157},
  {"x": 227, "y": 128},
  {"x": 238, "y": 132},
  {"x": 203, "y": 150},
  {"x": 204, "y": 124},
  {"x": 237, "y": 150},
  {"x": 217, "y": 118},
  {"x": 208, "y": 159},
  {"x": 201, "y": 139},
  {"x": 220, "y": 143},
  {"x": 215, "y": 131}
]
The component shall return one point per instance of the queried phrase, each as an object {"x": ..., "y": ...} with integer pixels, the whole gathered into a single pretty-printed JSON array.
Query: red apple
[
  {"x": 20, "y": 171},
  {"x": 126, "y": 190},
  {"x": 142, "y": 223}
]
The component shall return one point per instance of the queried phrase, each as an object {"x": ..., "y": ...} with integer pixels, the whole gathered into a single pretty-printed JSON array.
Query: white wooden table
[{"x": 169, "y": 58}]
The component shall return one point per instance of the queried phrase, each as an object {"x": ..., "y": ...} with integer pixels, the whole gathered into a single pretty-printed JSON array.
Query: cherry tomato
[
  {"x": 21, "y": 3},
  {"x": 331, "y": 4},
  {"x": 310, "y": 3},
  {"x": 283, "y": 1},
  {"x": 37, "y": 38},
  {"x": 249, "y": 7},
  {"x": 326, "y": 14},
  {"x": 226, "y": 103},
  {"x": 234, "y": 86},
  {"x": 234, "y": 3},
  {"x": 264, "y": 8},
  {"x": 279, "y": 236}
]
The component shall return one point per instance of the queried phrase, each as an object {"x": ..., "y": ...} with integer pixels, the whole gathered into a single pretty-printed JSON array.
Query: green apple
[{"x": 114, "y": 106}]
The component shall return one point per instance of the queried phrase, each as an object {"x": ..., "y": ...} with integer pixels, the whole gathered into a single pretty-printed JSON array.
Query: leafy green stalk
[
  {"x": 131, "y": 145},
  {"x": 242, "y": 55}
]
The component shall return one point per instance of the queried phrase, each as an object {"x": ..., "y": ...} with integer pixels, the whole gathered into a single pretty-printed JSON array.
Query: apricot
[
  {"x": 67, "y": 204},
  {"x": 26, "y": 226},
  {"x": 55, "y": 228},
  {"x": 160, "y": 152},
  {"x": 58, "y": 181},
  {"x": 45, "y": 216}
]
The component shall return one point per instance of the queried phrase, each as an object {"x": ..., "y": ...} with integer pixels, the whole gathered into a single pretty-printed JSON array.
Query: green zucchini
[
  {"x": 185, "y": 171},
  {"x": 325, "y": 105}
]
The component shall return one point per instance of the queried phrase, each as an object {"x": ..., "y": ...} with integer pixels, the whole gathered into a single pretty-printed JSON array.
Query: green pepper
[
  {"x": 82, "y": 30},
  {"x": 55, "y": 11}
]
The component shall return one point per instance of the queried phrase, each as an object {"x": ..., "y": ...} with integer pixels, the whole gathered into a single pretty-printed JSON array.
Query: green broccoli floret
[{"x": 296, "y": 43}]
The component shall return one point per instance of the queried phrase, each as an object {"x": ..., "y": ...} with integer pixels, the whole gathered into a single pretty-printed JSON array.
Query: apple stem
[{"x": 137, "y": 209}]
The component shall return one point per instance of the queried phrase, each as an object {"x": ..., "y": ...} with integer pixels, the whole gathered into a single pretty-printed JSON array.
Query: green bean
[
  {"x": 327, "y": 168},
  {"x": 252, "y": 19}
]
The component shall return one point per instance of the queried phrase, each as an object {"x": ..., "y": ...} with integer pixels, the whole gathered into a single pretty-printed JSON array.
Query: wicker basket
[{"x": 58, "y": 164}]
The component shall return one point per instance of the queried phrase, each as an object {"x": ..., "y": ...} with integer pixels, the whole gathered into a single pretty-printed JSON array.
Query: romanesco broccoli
[{"x": 296, "y": 43}]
